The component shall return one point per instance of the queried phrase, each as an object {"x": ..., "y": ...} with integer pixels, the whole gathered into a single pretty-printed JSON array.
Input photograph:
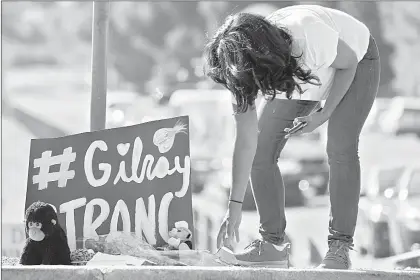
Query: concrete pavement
[{"x": 208, "y": 273}]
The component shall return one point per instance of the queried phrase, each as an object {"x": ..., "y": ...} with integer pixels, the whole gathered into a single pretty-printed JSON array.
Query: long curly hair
[{"x": 248, "y": 54}]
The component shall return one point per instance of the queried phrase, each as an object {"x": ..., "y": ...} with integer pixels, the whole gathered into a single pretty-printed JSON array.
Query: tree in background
[
  {"x": 165, "y": 40},
  {"x": 155, "y": 46},
  {"x": 401, "y": 29},
  {"x": 37, "y": 33}
]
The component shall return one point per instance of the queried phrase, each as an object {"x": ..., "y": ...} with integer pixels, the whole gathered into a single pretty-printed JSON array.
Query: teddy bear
[{"x": 180, "y": 237}]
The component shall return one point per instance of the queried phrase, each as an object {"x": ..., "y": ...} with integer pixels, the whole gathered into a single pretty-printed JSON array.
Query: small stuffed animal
[
  {"x": 46, "y": 242},
  {"x": 180, "y": 237}
]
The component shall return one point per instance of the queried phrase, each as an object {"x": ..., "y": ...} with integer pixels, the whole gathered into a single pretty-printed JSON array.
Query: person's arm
[
  {"x": 325, "y": 48},
  {"x": 244, "y": 151},
  {"x": 345, "y": 64}
]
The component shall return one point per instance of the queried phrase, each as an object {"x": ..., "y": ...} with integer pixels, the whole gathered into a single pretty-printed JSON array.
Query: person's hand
[
  {"x": 230, "y": 225},
  {"x": 312, "y": 121}
]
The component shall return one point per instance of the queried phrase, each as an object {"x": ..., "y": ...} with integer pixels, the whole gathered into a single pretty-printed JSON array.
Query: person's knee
[
  {"x": 343, "y": 152},
  {"x": 263, "y": 162},
  {"x": 265, "y": 157}
]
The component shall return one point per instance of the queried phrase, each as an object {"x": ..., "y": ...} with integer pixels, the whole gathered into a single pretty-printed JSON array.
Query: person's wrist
[
  {"x": 235, "y": 201},
  {"x": 235, "y": 204}
]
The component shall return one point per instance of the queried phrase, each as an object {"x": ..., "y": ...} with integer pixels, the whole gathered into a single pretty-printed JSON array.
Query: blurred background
[{"x": 155, "y": 71}]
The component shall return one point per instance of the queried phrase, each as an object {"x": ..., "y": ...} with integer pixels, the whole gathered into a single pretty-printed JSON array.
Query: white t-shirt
[{"x": 315, "y": 31}]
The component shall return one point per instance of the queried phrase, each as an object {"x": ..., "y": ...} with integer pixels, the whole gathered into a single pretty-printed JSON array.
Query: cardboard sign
[{"x": 132, "y": 179}]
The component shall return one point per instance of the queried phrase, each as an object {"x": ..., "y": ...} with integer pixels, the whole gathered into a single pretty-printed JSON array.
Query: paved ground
[{"x": 222, "y": 273}]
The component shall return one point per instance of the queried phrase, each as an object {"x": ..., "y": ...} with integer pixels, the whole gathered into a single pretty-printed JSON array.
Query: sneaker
[
  {"x": 337, "y": 256},
  {"x": 265, "y": 254}
]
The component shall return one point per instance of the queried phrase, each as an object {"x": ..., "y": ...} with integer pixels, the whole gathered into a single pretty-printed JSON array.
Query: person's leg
[
  {"x": 266, "y": 181},
  {"x": 344, "y": 129}
]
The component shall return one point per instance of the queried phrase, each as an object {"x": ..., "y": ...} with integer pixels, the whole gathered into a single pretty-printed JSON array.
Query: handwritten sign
[{"x": 132, "y": 179}]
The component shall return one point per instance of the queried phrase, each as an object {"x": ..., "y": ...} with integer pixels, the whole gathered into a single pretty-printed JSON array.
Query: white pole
[{"x": 99, "y": 65}]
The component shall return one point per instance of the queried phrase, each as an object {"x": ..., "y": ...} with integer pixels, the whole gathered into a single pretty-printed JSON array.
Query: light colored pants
[{"x": 344, "y": 127}]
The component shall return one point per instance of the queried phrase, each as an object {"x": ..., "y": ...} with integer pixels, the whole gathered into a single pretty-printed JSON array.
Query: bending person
[{"x": 296, "y": 57}]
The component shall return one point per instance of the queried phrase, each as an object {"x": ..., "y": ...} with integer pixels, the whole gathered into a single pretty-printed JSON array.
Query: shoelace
[
  {"x": 342, "y": 251},
  {"x": 256, "y": 243}
]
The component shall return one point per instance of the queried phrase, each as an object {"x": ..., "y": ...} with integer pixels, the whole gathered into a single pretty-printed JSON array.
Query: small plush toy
[
  {"x": 47, "y": 242},
  {"x": 180, "y": 237}
]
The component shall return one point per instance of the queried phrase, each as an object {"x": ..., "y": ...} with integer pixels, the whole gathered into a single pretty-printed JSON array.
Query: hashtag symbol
[{"x": 46, "y": 161}]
